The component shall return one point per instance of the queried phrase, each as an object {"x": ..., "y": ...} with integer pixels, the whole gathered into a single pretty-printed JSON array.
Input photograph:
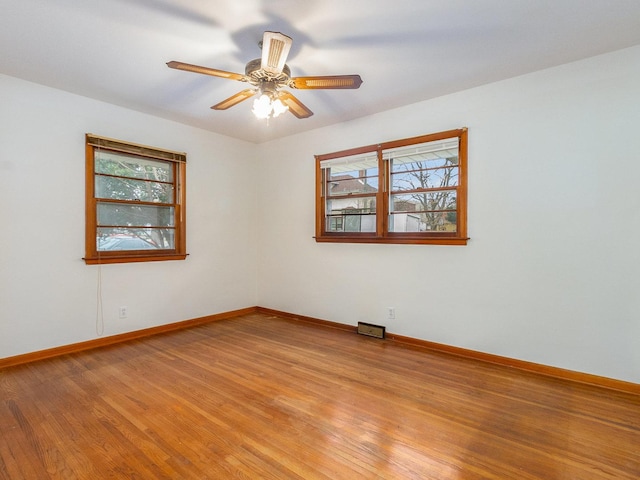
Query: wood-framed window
[
  {"x": 405, "y": 191},
  {"x": 135, "y": 202}
]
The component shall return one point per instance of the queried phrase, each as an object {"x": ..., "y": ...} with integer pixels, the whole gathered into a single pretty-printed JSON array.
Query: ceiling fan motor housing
[
  {"x": 257, "y": 74},
  {"x": 269, "y": 89}
]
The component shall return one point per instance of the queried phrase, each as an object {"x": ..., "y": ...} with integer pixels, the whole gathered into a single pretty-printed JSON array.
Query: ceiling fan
[{"x": 268, "y": 75}]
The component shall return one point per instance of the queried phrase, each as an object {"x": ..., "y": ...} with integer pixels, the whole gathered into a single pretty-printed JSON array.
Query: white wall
[
  {"x": 47, "y": 293},
  {"x": 550, "y": 274}
]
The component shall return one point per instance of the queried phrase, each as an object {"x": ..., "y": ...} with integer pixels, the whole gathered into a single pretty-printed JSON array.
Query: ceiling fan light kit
[
  {"x": 268, "y": 75},
  {"x": 267, "y": 106}
]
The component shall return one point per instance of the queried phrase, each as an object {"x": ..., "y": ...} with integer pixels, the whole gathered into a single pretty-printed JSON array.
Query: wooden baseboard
[
  {"x": 122, "y": 337},
  {"x": 302, "y": 318},
  {"x": 549, "y": 371}
]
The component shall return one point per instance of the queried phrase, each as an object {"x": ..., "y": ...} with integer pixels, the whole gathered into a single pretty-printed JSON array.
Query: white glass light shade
[
  {"x": 264, "y": 107},
  {"x": 278, "y": 107}
]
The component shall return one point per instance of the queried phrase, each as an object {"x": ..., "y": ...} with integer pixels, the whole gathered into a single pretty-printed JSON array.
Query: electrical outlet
[
  {"x": 122, "y": 312},
  {"x": 391, "y": 313}
]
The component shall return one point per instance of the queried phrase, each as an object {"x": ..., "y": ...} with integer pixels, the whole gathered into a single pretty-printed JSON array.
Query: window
[
  {"x": 406, "y": 191},
  {"x": 135, "y": 202}
]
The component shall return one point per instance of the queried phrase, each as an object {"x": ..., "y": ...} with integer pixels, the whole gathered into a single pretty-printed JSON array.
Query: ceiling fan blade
[
  {"x": 234, "y": 99},
  {"x": 331, "y": 81},
  {"x": 275, "y": 50},
  {"x": 295, "y": 106},
  {"x": 206, "y": 70}
]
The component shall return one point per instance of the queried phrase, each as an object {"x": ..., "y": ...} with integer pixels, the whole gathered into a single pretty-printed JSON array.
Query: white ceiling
[{"x": 404, "y": 50}]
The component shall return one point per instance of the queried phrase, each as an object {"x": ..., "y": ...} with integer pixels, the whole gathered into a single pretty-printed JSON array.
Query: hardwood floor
[{"x": 271, "y": 398}]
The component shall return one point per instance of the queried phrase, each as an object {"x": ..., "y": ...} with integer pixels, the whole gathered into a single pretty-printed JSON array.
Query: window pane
[
  {"x": 409, "y": 177},
  {"x": 354, "y": 174},
  {"x": 427, "y": 201},
  {"x": 129, "y": 189},
  {"x": 426, "y": 165},
  {"x": 351, "y": 222},
  {"x": 123, "y": 165},
  {"x": 416, "y": 162},
  {"x": 135, "y": 215},
  {"x": 344, "y": 183},
  {"x": 361, "y": 204},
  {"x": 111, "y": 239},
  {"x": 423, "y": 222},
  {"x": 351, "y": 215},
  {"x": 423, "y": 212},
  {"x": 433, "y": 153}
]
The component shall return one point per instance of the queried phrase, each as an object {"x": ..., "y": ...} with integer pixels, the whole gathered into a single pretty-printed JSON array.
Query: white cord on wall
[{"x": 99, "y": 309}]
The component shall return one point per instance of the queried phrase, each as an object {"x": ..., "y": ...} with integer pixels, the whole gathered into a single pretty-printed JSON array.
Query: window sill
[
  {"x": 401, "y": 240},
  {"x": 133, "y": 258}
]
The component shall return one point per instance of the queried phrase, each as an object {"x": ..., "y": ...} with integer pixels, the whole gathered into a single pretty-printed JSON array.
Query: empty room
[{"x": 319, "y": 240}]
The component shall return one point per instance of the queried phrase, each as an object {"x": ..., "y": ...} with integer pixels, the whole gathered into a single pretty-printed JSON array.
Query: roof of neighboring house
[{"x": 345, "y": 184}]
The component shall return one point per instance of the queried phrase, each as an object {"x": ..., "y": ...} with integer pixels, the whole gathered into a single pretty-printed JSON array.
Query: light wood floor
[{"x": 270, "y": 398}]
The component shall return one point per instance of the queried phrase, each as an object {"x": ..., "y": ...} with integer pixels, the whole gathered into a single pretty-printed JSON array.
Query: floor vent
[{"x": 371, "y": 330}]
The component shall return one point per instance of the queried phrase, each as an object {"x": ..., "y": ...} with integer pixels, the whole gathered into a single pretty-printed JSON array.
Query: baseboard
[
  {"x": 546, "y": 370},
  {"x": 532, "y": 367},
  {"x": 302, "y": 318},
  {"x": 122, "y": 337},
  {"x": 555, "y": 372}
]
